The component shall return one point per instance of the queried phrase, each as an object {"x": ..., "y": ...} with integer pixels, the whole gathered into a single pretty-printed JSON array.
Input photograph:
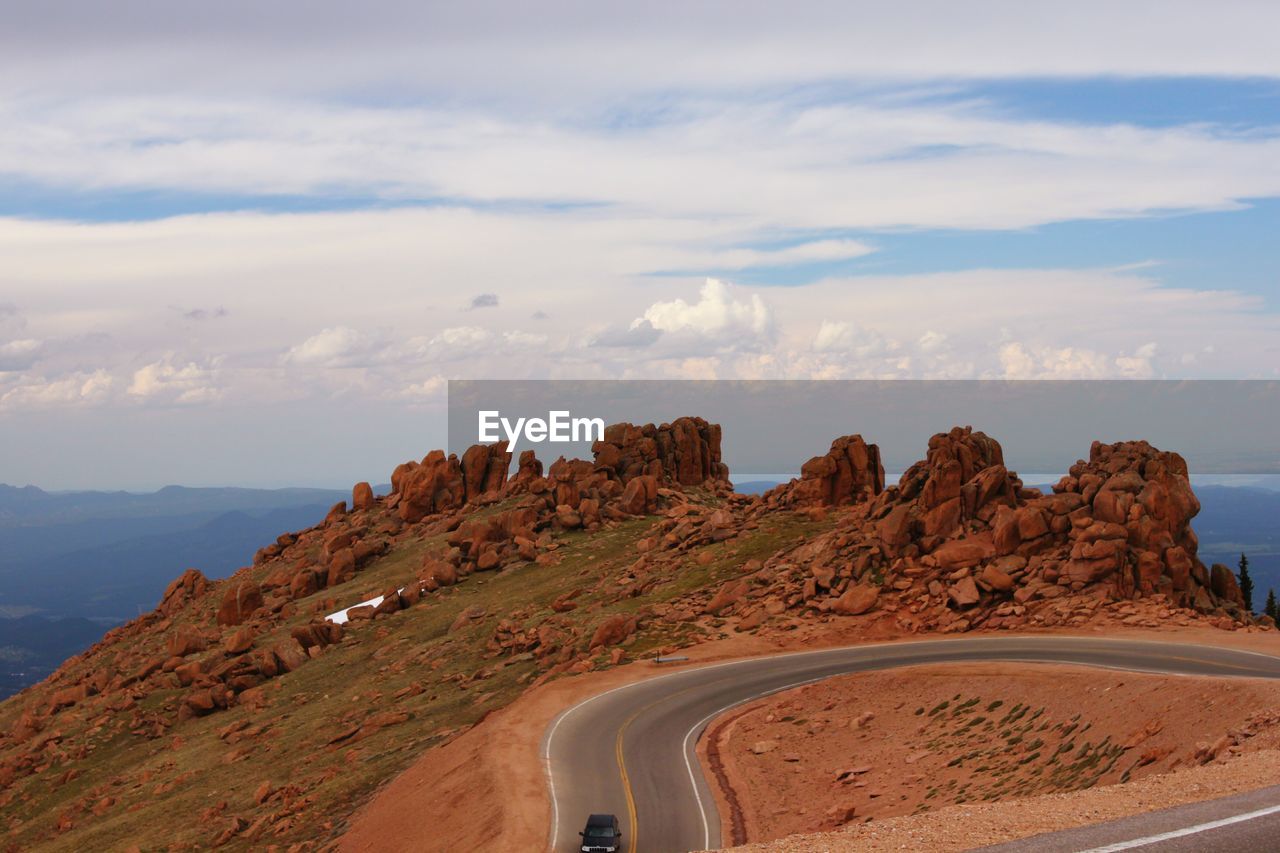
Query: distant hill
[
  {"x": 1235, "y": 519},
  {"x": 754, "y": 487},
  {"x": 33, "y": 646},
  {"x": 73, "y": 564},
  {"x": 31, "y": 506}
]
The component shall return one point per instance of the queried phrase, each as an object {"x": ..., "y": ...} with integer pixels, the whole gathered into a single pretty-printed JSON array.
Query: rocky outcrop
[
  {"x": 484, "y": 469},
  {"x": 685, "y": 452},
  {"x": 962, "y": 544},
  {"x": 849, "y": 473},
  {"x": 1130, "y": 508},
  {"x": 184, "y": 589},
  {"x": 428, "y": 487}
]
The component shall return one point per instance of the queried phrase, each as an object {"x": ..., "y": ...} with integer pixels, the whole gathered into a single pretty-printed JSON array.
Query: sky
[{"x": 246, "y": 243}]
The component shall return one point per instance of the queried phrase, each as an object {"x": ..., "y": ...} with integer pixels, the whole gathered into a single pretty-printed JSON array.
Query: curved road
[{"x": 630, "y": 750}]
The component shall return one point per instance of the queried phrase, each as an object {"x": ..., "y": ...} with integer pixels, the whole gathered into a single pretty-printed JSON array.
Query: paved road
[{"x": 630, "y": 751}]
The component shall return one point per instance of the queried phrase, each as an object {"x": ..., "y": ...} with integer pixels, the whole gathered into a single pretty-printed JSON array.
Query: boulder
[
  {"x": 995, "y": 579},
  {"x": 857, "y": 599},
  {"x": 362, "y": 497},
  {"x": 238, "y": 602},
  {"x": 184, "y": 589},
  {"x": 304, "y": 583},
  {"x": 964, "y": 592},
  {"x": 185, "y": 640},
  {"x": 440, "y": 572},
  {"x": 728, "y": 595},
  {"x": 640, "y": 495},
  {"x": 342, "y": 567},
  {"x": 1224, "y": 585},
  {"x": 613, "y": 630},
  {"x": 962, "y": 553},
  {"x": 289, "y": 654},
  {"x": 239, "y": 641}
]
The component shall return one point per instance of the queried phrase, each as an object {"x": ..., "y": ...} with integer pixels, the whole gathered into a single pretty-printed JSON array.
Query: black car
[{"x": 602, "y": 834}]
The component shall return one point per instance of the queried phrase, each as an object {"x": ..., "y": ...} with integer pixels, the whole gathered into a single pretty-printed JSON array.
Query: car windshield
[{"x": 599, "y": 832}]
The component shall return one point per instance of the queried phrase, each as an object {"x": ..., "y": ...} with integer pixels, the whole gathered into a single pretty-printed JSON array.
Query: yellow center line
[
  {"x": 626, "y": 786},
  {"x": 622, "y": 764}
]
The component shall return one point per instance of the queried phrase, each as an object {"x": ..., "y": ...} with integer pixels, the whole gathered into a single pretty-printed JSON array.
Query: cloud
[
  {"x": 640, "y": 333},
  {"x": 19, "y": 355},
  {"x": 431, "y": 388},
  {"x": 780, "y": 166},
  {"x": 560, "y": 51},
  {"x": 201, "y": 314},
  {"x": 484, "y": 300},
  {"x": 80, "y": 388},
  {"x": 165, "y": 380},
  {"x": 339, "y": 346},
  {"x": 835, "y": 335},
  {"x": 1020, "y": 361},
  {"x": 517, "y": 339},
  {"x": 816, "y": 251},
  {"x": 716, "y": 315}
]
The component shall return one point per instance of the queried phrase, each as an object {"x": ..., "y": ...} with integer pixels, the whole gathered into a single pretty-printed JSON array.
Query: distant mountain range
[{"x": 74, "y": 563}]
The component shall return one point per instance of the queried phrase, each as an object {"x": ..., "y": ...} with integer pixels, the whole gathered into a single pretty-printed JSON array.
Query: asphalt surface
[{"x": 630, "y": 751}]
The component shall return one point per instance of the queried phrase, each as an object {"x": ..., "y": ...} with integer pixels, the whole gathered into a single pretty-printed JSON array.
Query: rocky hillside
[{"x": 238, "y": 705}]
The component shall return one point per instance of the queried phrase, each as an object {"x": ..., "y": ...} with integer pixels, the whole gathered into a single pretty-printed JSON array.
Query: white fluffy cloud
[
  {"x": 717, "y": 316},
  {"x": 1018, "y": 361},
  {"x": 338, "y": 346},
  {"x": 37, "y": 392},
  {"x": 173, "y": 381}
]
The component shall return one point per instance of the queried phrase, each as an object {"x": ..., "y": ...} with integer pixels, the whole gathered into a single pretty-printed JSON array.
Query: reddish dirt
[
  {"x": 877, "y": 745},
  {"x": 965, "y": 827}
]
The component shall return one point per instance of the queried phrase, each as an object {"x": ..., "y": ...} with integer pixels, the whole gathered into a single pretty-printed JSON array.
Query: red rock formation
[
  {"x": 685, "y": 451},
  {"x": 484, "y": 468},
  {"x": 849, "y": 473},
  {"x": 424, "y": 488},
  {"x": 184, "y": 589},
  {"x": 960, "y": 529},
  {"x": 1131, "y": 514},
  {"x": 361, "y": 497}
]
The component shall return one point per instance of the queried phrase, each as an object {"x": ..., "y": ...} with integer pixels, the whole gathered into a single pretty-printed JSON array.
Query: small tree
[
  {"x": 1270, "y": 608},
  {"x": 1246, "y": 583}
]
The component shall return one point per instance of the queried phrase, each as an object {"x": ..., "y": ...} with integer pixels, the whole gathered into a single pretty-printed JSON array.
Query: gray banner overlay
[{"x": 771, "y": 427}]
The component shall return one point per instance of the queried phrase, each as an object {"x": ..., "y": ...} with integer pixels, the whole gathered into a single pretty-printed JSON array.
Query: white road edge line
[
  {"x": 686, "y": 748},
  {"x": 1179, "y": 833}
]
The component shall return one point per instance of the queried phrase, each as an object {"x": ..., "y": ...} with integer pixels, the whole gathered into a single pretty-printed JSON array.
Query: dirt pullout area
[{"x": 857, "y": 750}]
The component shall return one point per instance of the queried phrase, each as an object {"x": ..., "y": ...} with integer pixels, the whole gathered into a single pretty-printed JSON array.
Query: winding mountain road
[{"x": 630, "y": 750}]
